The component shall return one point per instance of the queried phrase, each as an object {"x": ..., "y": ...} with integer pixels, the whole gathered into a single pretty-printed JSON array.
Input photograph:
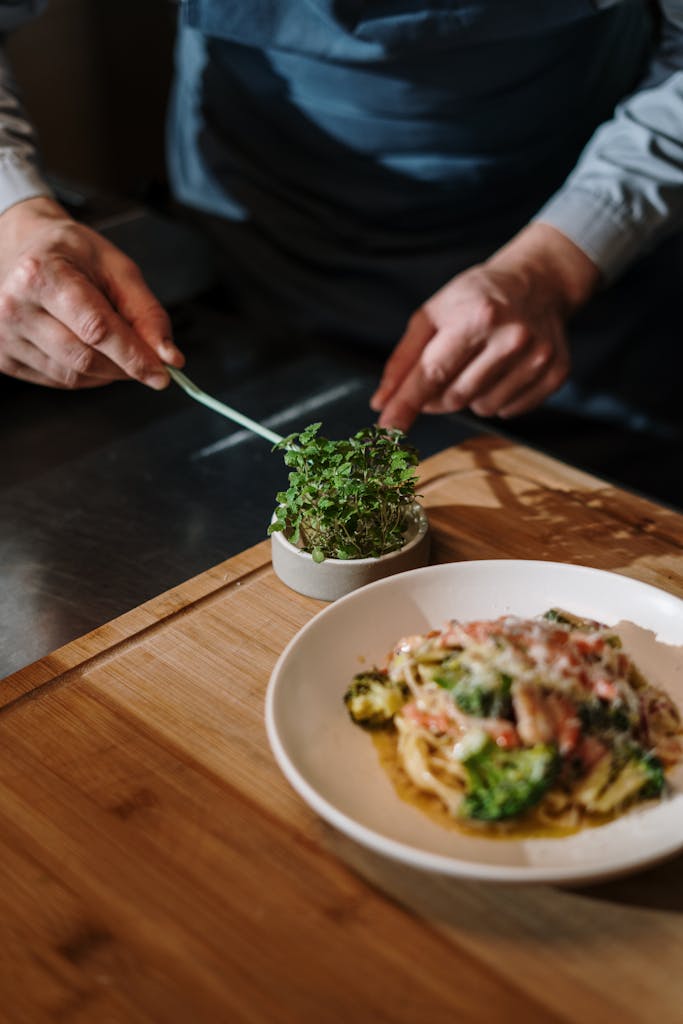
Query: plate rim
[{"x": 412, "y": 855}]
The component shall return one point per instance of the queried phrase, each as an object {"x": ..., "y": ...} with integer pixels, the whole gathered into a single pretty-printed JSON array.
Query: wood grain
[{"x": 158, "y": 868}]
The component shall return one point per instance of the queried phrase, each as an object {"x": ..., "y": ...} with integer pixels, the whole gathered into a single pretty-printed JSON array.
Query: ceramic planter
[{"x": 334, "y": 577}]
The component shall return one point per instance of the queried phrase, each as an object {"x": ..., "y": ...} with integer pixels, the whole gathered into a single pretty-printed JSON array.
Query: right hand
[
  {"x": 493, "y": 338},
  {"x": 75, "y": 312}
]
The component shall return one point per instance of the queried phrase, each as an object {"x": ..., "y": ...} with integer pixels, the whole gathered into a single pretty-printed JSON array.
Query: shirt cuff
[
  {"x": 19, "y": 180},
  {"x": 603, "y": 231}
]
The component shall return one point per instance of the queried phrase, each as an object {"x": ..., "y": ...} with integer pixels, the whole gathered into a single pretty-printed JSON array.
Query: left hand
[{"x": 492, "y": 339}]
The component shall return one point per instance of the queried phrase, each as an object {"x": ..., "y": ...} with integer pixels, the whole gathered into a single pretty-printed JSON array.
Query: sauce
[{"x": 386, "y": 744}]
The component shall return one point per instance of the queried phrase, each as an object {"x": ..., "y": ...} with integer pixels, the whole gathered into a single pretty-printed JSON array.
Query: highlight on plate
[{"x": 537, "y": 725}]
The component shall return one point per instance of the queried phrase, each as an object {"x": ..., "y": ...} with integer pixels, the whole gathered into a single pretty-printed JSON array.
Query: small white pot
[{"x": 334, "y": 577}]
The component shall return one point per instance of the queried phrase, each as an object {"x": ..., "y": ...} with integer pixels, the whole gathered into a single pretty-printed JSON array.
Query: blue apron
[{"x": 359, "y": 153}]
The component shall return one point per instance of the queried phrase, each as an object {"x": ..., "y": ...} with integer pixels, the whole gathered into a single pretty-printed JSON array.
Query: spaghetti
[{"x": 539, "y": 723}]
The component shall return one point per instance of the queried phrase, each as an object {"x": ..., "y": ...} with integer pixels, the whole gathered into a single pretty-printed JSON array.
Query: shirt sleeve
[
  {"x": 20, "y": 177},
  {"x": 626, "y": 192}
]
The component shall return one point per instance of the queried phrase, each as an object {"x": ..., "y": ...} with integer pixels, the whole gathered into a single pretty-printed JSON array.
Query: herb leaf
[{"x": 348, "y": 498}]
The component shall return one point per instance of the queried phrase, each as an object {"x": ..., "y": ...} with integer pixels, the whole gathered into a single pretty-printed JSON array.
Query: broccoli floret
[
  {"x": 652, "y": 771},
  {"x": 599, "y": 716},
  {"x": 578, "y": 622},
  {"x": 373, "y": 699},
  {"x": 504, "y": 783},
  {"x": 635, "y": 774},
  {"x": 561, "y": 617},
  {"x": 482, "y": 699}
]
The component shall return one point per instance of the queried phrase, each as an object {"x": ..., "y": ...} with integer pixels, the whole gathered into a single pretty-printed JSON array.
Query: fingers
[
  {"x": 24, "y": 360},
  {"x": 71, "y": 359},
  {"x": 78, "y": 305},
  {"x": 399, "y": 364},
  {"x": 74, "y": 309},
  {"x": 541, "y": 368},
  {"x": 130, "y": 296},
  {"x": 442, "y": 361},
  {"x": 510, "y": 373},
  {"x": 501, "y": 365},
  {"x": 517, "y": 385},
  {"x": 537, "y": 391},
  {"x": 545, "y": 372}
]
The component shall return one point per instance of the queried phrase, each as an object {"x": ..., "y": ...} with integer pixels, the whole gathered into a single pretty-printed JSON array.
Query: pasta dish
[{"x": 539, "y": 723}]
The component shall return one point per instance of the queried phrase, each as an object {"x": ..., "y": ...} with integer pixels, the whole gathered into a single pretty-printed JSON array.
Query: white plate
[{"x": 334, "y": 765}]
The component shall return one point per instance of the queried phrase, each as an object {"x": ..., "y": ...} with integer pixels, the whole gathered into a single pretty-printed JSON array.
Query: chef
[{"x": 488, "y": 192}]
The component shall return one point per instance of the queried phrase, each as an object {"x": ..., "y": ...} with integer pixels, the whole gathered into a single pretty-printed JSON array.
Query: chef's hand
[
  {"x": 492, "y": 339},
  {"x": 74, "y": 311}
]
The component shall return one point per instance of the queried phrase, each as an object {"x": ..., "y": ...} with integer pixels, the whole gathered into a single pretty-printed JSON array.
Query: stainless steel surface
[{"x": 109, "y": 497}]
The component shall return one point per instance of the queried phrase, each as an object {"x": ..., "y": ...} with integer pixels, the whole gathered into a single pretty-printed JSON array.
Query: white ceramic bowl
[
  {"x": 335, "y": 577},
  {"x": 334, "y": 765}
]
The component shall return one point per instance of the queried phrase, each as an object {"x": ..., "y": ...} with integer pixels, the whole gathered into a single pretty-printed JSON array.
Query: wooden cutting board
[{"x": 158, "y": 868}]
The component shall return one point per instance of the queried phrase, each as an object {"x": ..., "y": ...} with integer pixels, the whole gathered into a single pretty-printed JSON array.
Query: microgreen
[{"x": 346, "y": 499}]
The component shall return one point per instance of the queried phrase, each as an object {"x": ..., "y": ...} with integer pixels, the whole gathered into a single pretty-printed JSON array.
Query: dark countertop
[{"x": 112, "y": 496}]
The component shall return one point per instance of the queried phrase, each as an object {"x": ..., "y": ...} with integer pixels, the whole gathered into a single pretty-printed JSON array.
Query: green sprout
[{"x": 349, "y": 498}]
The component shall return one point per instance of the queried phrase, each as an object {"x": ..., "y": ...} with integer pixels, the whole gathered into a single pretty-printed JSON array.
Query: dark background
[{"x": 95, "y": 75}]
